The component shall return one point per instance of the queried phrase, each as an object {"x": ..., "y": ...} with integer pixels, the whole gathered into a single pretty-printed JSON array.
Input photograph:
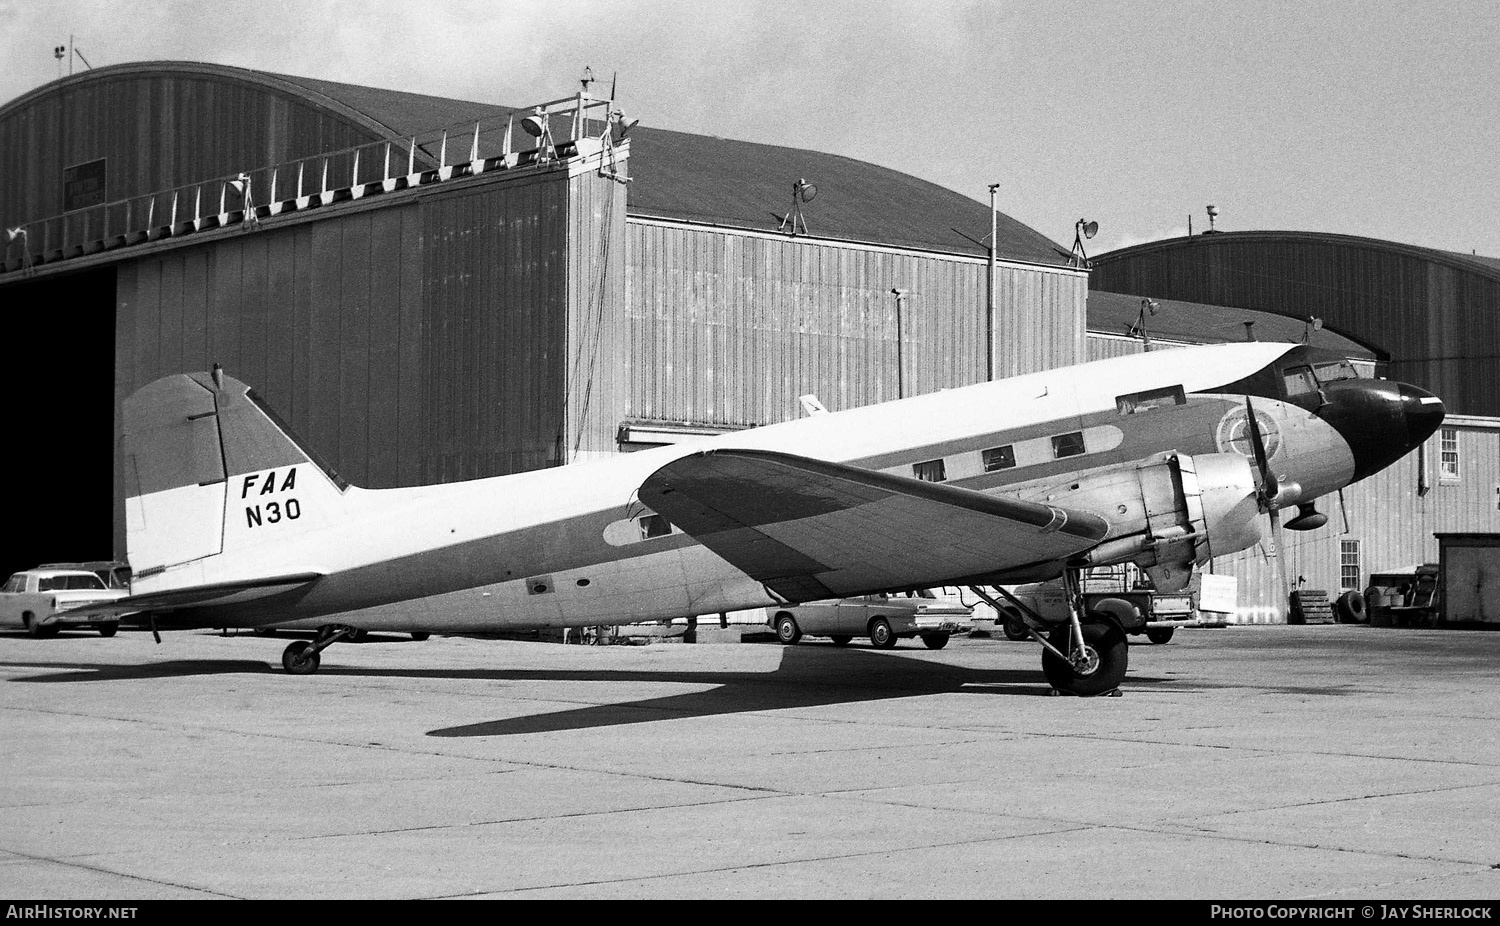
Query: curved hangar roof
[{"x": 675, "y": 175}]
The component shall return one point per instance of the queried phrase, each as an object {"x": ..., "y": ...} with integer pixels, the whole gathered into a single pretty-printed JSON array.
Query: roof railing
[{"x": 249, "y": 197}]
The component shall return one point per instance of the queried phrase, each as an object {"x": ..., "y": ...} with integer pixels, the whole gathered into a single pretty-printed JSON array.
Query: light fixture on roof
[
  {"x": 1083, "y": 230},
  {"x": 802, "y": 192},
  {"x": 1213, "y": 213},
  {"x": 535, "y": 123},
  {"x": 1313, "y": 323}
]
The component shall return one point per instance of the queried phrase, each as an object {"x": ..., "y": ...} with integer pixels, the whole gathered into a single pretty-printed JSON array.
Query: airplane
[{"x": 1165, "y": 459}]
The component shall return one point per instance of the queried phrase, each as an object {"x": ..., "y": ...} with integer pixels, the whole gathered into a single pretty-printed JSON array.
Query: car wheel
[
  {"x": 881, "y": 635},
  {"x": 1160, "y": 634},
  {"x": 1014, "y": 627},
  {"x": 935, "y": 640},
  {"x": 787, "y": 630},
  {"x": 420, "y": 635},
  {"x": 109, "y": 629},
  {"x": 840, "y": 639},
  {"x": 36, "y": 628}
]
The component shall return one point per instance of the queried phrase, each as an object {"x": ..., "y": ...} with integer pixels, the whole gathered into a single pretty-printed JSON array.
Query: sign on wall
[{"x": 84, "y": 185}]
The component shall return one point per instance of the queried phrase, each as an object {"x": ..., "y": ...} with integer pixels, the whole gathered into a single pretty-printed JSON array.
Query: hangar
[{"x": 433, "y": 290}]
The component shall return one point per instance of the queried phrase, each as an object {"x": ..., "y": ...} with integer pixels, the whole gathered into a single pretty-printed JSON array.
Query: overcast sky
[{"x": 1367, "y": 118}]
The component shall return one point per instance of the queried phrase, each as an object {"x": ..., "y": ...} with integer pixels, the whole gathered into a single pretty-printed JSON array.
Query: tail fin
[{"x": 211, "y": 474}]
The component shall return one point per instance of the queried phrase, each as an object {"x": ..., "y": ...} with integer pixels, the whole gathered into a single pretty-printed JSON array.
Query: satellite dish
[{"x": 1090, "y": 229}]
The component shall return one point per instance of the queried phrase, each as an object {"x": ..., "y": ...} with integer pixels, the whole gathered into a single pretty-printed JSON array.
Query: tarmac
[{"x": 1272, "y": 763}]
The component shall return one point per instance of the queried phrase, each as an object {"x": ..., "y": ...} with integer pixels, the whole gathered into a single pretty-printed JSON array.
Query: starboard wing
[{"x": 809, "y": 529}]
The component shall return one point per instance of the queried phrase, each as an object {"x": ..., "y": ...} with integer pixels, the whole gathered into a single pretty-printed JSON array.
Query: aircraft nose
[
  {"x": 1424, "y": 413},
  {"x": 1380, "y": 420}
]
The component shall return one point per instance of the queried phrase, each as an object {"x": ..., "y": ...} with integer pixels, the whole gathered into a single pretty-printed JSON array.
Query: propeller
[{"x": 1266, "y": 497}]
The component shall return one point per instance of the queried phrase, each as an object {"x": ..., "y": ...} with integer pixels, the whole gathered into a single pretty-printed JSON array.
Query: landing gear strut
[
  {"x": 1087, "y": 656},
  {"x": 301, "y": 658}
]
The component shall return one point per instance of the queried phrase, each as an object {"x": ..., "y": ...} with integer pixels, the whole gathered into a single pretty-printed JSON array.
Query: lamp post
[
  {"x": 900, "y": 295},
  {"x": 989, "y": 313}
]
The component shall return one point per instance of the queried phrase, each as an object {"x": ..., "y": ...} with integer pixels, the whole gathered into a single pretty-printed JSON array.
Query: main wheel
[
  {"x": 881, "y": 635},
  {"x": 1159, "y": 634},
  {"x": 787, "y": 630},
  {"x": 300, "y": 658},
  {"x": 1107, "y": 657},
  {"x": 108, "y": 629},
  {"x": 1014, "y": 627},
  {"x": 840, "y": 639},
  {"x": 935, "y": 640}
]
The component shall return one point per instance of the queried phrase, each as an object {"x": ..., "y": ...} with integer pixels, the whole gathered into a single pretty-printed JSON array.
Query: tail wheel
[
  {"x": 1100, "y": 668},
  {"x": 787, "y": 630},
  {"x": 300, "y": 658},
  {"x": 881, "y": 635}
]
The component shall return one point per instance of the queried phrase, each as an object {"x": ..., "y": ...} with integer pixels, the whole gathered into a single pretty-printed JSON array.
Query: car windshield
[{"x": 68, "y": 583}]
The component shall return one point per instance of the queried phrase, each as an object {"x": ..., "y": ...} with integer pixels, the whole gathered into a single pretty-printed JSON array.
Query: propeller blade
[{"x": 1268, "y": 483}]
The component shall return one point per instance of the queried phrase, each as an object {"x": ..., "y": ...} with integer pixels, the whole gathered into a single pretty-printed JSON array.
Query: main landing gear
[{"x": 1087, "y": 656}]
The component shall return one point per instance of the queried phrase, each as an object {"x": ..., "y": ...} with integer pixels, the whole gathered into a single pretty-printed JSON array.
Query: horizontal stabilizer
[
  {"x": 219, "y": 593},
  {"x": 809, "y": 529}
]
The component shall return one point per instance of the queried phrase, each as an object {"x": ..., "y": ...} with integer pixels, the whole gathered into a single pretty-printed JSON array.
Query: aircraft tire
[
  {"x": 881, "y": 635},
  {"x": 787, "y": 630},
  {"x": 420, "y": 635},
  {"x": 841, "y": 639},
  {"x": 1351, "y": 609},
  {"x": 1160, "y": 634},
  {"x": 108, "y": 629},
  {"x": 1108, "y": 669},
  {"x": 300, "y": 658},
  {"x": 935, "y": 640}
]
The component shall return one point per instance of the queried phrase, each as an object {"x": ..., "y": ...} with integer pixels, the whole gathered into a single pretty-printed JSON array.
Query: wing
[
  {"x": 200, "y": 595},
  {"x": 811, "y": 530}
]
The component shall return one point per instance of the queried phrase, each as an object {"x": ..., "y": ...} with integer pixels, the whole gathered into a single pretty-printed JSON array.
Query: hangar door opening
[{"x": 58, "y": 383}]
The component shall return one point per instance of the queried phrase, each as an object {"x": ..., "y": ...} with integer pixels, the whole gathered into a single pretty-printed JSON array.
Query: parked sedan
[
  {"x": 43, "y": 601},
  {"x": 884, "y": 618}
]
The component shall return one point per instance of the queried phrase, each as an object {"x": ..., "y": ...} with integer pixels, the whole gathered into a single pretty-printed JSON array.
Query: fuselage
[{"x": 573, "y": 546}]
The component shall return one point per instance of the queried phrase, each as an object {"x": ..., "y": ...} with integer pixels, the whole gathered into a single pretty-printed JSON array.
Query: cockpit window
[
  {"x": 1328, "y": 372},
  {"x": 1138, "y": 402},
  {"x": 1300, "y": 381}
]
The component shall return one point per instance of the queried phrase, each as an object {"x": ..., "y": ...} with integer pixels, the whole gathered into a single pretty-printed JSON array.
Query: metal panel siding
[
  {"x": 1437, "y": 320},
  {"x": 157, "y": 132},
  {"x": 729, "y": 329}
]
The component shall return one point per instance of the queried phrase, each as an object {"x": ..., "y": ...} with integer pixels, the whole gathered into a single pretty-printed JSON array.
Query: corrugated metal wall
[
  {"x": 134, "y": 121},
  {"x": 1438, "y": 320},
  {"x": 423, "y": 341},
  {"x": 728, "y": 328}
]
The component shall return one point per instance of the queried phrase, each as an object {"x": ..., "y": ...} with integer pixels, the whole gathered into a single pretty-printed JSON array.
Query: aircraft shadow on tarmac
[{"x": 808, "y": 676}]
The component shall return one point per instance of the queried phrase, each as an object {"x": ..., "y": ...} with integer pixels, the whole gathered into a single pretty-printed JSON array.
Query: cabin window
[
  {"x": 931, "y": 471},
  {"x": 1138, "y": 402},
  {"x": 1067, "y": 445},
  {"x": 1300, "y": 381},
  {"x": 999, "y": 458},
  {"x": 1349, "y": 569},
  {"x": 1331, "y": 372},
  {"x": 654, "y": 525},
  {"x": 1448, "y": 455}
]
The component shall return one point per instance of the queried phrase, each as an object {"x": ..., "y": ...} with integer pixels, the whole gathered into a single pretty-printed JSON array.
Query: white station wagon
[
  {"x": 39, "y": 600},
  {"x": 883, "y": 618}
]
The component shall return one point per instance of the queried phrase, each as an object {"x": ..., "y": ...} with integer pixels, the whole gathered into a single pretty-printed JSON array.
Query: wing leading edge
[{"x": 810, "y": 530}]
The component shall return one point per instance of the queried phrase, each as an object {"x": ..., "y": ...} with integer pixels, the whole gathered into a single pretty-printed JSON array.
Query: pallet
[{"x": 1311, "y": 606}]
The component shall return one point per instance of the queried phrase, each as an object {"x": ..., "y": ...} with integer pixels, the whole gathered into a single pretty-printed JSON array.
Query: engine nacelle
[{"x": 1169, "y": 512}]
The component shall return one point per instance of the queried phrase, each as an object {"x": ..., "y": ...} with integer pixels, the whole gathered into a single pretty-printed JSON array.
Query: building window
[
  {"x": 1448, "y": 455},
  {"x": 1138, "y": 402},
  {"x": 999, "y": 458},
  {"x": 1349, "y": 571},
  {"x": 1067, "y": 445},
  {"x": 931, "y": 471}
]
